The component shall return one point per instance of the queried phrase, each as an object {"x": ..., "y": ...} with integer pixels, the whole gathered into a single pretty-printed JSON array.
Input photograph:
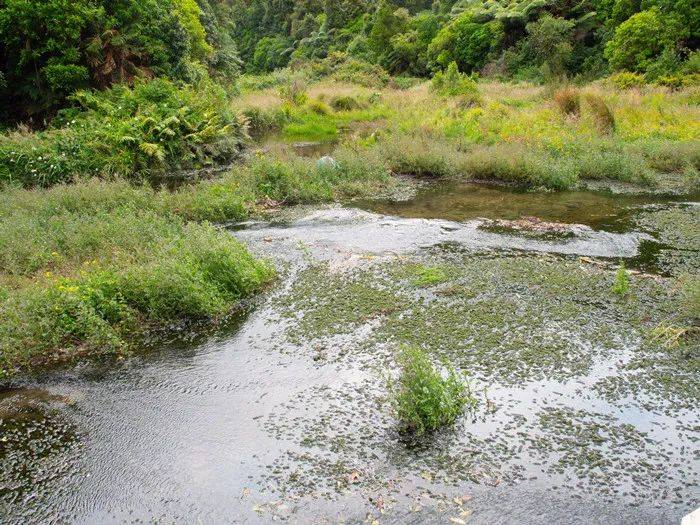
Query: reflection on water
[{"x": 465, "y": 201}]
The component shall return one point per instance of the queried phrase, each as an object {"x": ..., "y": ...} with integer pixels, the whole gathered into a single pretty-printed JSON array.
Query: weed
[
  {"x": 453, "y": 83},
  {"x": 294, "y": 92},
  {"x": 428, "y": 276},
  {"x": 424, "y": 399},
  {"x": 345, "y": 103},
  {"x": 319, "y": 107},
  {"x": 627, "y": 80},
  {"x": 621, "y": 286}
]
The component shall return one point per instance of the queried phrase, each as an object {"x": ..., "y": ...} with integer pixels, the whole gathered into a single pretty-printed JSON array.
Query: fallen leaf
[{"x": 458, "y": 521}]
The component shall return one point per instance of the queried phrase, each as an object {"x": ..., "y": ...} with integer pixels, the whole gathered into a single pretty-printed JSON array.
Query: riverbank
[{"x": 87, "y": 267}]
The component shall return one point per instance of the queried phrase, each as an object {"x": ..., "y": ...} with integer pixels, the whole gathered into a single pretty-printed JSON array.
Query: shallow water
[{"x": 282, "y": 415}]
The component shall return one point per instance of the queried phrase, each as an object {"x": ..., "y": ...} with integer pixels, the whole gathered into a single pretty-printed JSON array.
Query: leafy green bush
[
  {"x": 51, "y": 48},
  {"x": 361, "y": 73},
  {"x": 423, "y": 398},
  {"x": 627, "y": 80},
  {"x": 262, "y": 121},
  {"x": 152, "y": 128},
  {"x": 453, "y": 83},
  {"x": 95, "y": 263},
  {"x": 319, "y": 107},
  {"x": 346, "y": 103},
  {"x": 642, "y": 38},
  {"x": 465, "y": 41}
]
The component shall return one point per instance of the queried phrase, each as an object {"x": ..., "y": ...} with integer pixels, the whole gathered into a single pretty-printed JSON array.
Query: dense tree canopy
[{"x": 51, "y": 48}]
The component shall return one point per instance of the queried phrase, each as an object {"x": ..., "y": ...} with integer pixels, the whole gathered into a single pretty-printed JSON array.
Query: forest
[{"x": 51, "y": 49}]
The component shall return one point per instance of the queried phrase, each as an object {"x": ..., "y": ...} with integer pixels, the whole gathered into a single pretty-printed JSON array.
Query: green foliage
[
  {"x": 428, "y": 276},
  {"x": 154, "y": 127},
  {"x": 346, "y": 103},
  {"x": 466, "y": 42},
  {"x": 97, "y": 262},
  {"x": 270, "y": 53},
  {"x": 621, "y": 286},
  {"x": 641, "y": 39},
  {"x": 452, "y": 83},
  {"x": 51, "y": 48},
  {"x": 294, "y": 92},
  {"x": 424, "y": 400},
  {"x": 627, "y": 80}
]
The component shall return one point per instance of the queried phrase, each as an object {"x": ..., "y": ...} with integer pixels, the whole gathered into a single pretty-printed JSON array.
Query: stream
[{"x": 282, "y": 415}]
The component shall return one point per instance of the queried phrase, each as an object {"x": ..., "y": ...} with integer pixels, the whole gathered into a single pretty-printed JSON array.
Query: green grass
[{"x": 85, "y": 268}]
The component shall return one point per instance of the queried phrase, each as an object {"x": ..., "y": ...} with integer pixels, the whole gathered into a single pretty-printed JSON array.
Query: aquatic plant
[
  {"x": 424, "y": 398},
  {"x": 622, "y": 281},
  {"x": 429, "y": 275}
]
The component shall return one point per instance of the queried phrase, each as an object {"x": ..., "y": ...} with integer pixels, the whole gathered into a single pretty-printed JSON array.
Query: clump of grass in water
[
  {"x": 424, "y": 399},
  {"x": 426, "y": 276},
  {"x": 622, "y": 281}
]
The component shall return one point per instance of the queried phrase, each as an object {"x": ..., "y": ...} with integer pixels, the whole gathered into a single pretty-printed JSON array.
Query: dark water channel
[{"x": 282, "y": 416}]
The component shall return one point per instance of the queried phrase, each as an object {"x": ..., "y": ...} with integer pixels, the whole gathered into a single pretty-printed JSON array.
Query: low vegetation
[
  {"x": 152, "y": 128},
  {"x": 425, "y": 399}
]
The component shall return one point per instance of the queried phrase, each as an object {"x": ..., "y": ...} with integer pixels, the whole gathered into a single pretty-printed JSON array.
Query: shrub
[
  {"x": 627, "y": 80},
  {"x": 262, "y": 121},
  {"x": 346, "y": 103},
  {"x": 568, "y": 101},
  {"x": 603, "y": 116},
  {"x": 423, "y": 398},
  {"x": 319, "y": 107},
  {"x": 453, "y": 83},
  {"x": 151, "y": 128},
  {"x": 102, "y": 261},
  {"x": 642, "y": 38},
  {"x": 361, "y": 73}
]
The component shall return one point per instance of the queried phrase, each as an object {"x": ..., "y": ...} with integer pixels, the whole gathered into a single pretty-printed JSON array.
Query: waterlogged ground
[{"x": 584, "y": 415}]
